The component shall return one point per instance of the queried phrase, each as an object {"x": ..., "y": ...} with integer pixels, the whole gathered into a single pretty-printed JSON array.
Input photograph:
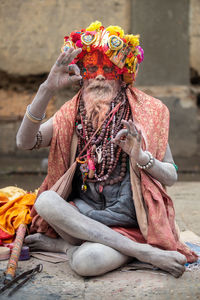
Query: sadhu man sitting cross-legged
[{"x": 104, "y": 199}]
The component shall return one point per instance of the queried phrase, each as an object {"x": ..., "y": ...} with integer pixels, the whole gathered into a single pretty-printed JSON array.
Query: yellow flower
[
  {"x": 130, "y": 60},
  {"x": 94, "y": 26},
  {"x": 115, "y": 30},
  {"x": 132, "y": 39}
]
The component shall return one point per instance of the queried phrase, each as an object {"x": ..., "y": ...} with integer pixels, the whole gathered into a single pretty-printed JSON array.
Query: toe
[
  {"x": 181, "y": 259},
  {"x": 184, "y": 260},
  {"x": 178, "y": 270},
  {"x": 28, "y": 239},
  {"x": 33, "y": 247},
  {"x": 32, "y": 238}
]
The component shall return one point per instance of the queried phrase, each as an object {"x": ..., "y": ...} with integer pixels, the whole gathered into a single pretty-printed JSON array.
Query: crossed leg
[{"x": 108, "y": 248}]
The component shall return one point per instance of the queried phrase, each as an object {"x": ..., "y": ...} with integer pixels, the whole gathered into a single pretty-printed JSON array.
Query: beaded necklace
[{"x": 101, "y": 156}]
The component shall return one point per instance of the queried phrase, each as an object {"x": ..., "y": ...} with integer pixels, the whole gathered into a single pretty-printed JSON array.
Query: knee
[
  {"x": 45, "y": 202},
  {"x": 86, "y": 261}
]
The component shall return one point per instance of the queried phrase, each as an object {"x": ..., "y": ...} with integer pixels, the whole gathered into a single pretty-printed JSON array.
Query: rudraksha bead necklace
[{"x": 102, "y": 156}]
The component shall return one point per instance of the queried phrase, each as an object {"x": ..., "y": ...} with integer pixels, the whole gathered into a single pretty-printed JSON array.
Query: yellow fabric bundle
[{"x": 15, "y": 207}]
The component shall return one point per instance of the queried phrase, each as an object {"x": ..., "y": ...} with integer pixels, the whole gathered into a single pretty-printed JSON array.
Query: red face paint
[{"x": 96, "y": 63}]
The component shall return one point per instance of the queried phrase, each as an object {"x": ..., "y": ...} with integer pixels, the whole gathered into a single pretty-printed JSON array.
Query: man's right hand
[{"x": 62, "y": 74}]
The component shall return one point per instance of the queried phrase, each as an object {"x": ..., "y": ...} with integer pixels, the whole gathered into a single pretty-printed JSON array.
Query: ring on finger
[
  {"x": 126, "y": 131},
  {"x": 58, "y": 63},
  {"x": 134, "y": 132},
  {"x": 69, "y": 68}
]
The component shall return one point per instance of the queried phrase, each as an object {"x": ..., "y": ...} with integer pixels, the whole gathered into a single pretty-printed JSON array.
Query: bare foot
[
  {"x": 170, "y": 261},
  {"x": 39, "y": 241}
]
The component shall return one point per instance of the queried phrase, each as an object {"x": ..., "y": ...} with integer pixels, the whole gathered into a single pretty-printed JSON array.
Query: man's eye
[
  {"x": 92, "y": 69},
  {"x": 107, "y": 69}
]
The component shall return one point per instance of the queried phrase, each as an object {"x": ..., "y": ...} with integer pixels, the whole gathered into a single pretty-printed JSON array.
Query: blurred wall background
[{"x": 31, "y": 34}]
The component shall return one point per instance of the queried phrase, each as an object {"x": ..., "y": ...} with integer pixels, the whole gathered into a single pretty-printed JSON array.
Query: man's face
[
  {"x": 100, "y": 85},
  {"x": 99, "y": 76}
]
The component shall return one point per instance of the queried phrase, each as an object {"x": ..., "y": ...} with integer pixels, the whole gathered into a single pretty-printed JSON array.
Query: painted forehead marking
[{"x": 96, "y": 58}]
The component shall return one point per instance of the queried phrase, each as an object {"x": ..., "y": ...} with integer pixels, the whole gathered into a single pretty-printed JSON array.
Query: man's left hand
[{"x": 129, "y": 139}]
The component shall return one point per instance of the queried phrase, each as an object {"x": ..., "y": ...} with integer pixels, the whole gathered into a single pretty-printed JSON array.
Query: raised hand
[
  {"x": 129, "y": 139},
  {"x": 62, "y": 74}
]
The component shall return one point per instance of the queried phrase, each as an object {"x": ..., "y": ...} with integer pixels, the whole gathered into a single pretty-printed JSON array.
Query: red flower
[
  {"x": 130, "y": 55},
  {"x": 75, "y": 36},
  {"x": 79, "y": 44}
]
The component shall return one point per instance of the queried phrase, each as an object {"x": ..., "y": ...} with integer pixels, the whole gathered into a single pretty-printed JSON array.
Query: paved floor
[{"x": 57, "y": 281}]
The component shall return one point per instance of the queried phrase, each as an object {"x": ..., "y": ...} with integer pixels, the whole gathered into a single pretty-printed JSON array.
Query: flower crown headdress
[{"x": 122, "y": 50}]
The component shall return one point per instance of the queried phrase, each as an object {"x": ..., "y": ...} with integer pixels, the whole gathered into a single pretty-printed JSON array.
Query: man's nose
[{"x": 100, "y": 77}]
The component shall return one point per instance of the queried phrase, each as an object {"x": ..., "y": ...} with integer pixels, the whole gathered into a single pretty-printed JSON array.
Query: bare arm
[
  {"x": 164, "y": 171},
  {"x": 60, "y": 76},
  {"x": 26, "y": 136}
]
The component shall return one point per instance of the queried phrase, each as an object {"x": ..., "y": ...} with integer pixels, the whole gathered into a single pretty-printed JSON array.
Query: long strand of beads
[
  {"x": 104, "y": 153},
  {"x": 112, "y": 136},
  {"x": 110, "y": 152},
  {"x": 86, "y": 131}
]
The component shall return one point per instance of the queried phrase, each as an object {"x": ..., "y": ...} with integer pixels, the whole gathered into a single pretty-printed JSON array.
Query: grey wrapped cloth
[{"x": 113, "y": 207}]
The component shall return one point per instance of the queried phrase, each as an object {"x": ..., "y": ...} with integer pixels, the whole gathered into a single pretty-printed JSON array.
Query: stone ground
[{"x": 57, "y": 281}]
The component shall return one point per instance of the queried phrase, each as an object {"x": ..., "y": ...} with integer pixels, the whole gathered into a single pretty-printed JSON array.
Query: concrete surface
[
  {"x": 32, "y": 33},
  {"x": 194, "y": 28},
  {"x": 163, "y": 26},
  {"x": 57, "y": 281},
  {"x": 183, "y": 136}
]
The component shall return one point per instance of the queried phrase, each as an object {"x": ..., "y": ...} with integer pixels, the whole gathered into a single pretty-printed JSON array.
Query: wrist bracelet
[
  {"x": 149, "y": 164},
  {"x": 32, "y": 117},
  {"x": 175, "y": 166}
]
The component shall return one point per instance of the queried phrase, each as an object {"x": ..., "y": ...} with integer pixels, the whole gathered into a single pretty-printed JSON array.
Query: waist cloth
[{"x": 113, "y": 206}]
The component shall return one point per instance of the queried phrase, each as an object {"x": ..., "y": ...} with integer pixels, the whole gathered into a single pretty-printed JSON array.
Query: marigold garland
[{"x": 115, "y": 30}]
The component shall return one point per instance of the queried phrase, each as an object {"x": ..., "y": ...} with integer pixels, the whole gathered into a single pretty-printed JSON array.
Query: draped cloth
[
  {"x": 15, "y": 209},
  {"x": 154, "y": 208}
]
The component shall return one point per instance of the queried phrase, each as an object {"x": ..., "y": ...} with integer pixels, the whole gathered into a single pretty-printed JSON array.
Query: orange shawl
[{"x": 152, "y": 116}]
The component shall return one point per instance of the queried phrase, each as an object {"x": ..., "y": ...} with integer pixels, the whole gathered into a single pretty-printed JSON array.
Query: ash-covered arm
[
  {"x": 62, "y": 74},
  {"x": 26, "y": 136},
  {"x": 164, "y": 171}
]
